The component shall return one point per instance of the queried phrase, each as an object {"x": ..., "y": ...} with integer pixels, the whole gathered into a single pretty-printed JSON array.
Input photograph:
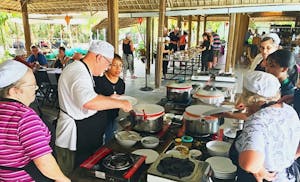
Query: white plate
[
  {"x": 132, "y": 100},
  {"x": 149, "y": 109},
  {"x": 151, "y": 155},
  {"x": 222, "y": 167}
]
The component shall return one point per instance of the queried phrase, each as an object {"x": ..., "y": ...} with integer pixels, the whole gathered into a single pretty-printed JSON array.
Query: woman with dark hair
[
  {"x": 282, "y": 65},
  {"x": 62, "y": 59},
  {"x": 111, "y": 84},
  {"x": 206, "y": 52}
]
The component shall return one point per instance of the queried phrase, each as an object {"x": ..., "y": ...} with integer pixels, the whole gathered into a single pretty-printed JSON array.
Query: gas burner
[{"x": 118, "y": 161}]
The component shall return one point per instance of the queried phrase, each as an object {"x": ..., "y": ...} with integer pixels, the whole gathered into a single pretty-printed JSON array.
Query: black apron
[
  {"x": 30, "y": 168},
  {"x": 89, "y": 134},
  {"x": 244, "y": 176}
]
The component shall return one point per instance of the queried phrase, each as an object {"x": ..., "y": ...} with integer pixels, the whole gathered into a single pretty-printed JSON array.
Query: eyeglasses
[
  {"x": 36, "y": 87},
  {"x": 108, "y": 61}
]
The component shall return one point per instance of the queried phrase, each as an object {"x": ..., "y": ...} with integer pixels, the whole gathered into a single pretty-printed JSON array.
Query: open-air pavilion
[{"x": 238, "y": 12}]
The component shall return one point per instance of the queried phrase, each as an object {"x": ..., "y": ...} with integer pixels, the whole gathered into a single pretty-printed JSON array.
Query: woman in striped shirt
[{"x": 25, "y": 154}]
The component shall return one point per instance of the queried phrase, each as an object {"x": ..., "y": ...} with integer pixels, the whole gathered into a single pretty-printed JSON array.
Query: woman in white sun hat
[{"x": 268, "y": 145}]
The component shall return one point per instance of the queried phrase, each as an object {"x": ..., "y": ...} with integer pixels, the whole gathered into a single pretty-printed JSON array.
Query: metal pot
[
  {"x": 179, "y": 92},
  {"x": 202, "y": 126},
  {"x": 198, "y": 124},
  {"x": 148, "y": 118}
]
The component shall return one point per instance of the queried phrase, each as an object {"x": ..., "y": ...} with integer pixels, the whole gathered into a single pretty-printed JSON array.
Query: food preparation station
[{"x": 179, "y": 113}]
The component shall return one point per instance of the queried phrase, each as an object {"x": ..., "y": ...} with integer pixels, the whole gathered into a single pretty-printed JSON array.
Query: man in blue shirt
[{"x": 36, "y": 56}]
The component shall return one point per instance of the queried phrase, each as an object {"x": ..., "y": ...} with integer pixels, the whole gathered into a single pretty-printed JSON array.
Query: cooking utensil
[
  {"x": 148, "y": 117},
  {"x": 209, "y": 95},
  {"x": 179, "y": 92},
  {"x": 197, "y": 123}
]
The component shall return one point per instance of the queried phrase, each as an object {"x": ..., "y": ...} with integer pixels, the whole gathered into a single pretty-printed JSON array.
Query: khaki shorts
[{"x": 65, "y": 159}]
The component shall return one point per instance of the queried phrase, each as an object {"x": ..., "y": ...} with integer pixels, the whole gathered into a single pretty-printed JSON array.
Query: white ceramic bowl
[
  {"x": 150, "y": 142},
  {"x": 127, "y": 138},
  {"x": 218, "y": 148}
]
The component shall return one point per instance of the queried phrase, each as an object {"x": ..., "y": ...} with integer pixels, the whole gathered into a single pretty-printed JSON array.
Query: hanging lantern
[
  {"x": 140, "y": 20},
  {"x": 68, "y": 19}
]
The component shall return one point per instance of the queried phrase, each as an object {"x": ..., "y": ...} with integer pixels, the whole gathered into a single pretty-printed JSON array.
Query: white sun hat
[
  {"x": 11, "y": 71},
  {"x": 262, "y": 83}
]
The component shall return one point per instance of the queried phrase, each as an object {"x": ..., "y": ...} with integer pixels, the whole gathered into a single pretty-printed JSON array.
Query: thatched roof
[
  {"x": 129, "y": 6},
  {"x": 123, "y": 23}
]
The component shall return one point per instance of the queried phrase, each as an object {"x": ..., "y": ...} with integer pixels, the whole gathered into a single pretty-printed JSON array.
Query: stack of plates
[{"x": 222, "y": 167}]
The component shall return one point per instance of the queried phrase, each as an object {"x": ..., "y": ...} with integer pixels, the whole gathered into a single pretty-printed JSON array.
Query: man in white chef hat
[{"x": 81, "y": 122}]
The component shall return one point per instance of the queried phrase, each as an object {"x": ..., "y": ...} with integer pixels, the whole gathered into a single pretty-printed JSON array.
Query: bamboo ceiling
[{"x": 68, "y": 6}]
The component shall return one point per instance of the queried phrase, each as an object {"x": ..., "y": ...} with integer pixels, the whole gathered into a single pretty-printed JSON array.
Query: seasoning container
[
  {"x": 178, "y": 141},
  {"x": 187, "y": 141}
]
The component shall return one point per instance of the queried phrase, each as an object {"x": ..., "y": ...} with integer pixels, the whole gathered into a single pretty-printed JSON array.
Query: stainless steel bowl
[{"x": 151, "y": 126}]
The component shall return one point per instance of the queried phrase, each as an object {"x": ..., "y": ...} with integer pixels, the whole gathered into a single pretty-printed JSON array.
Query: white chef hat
[
  {"x": 274, "y": 36},
  {"x": 103, "y": 48},
  {"x": 11, "y": 71},
  {"x": 20, "y": 52},
  {"x": 262, "y": 83}
]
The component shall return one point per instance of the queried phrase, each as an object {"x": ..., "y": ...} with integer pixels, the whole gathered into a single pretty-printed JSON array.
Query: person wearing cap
[
  {"x": 268, "y": 144},
  {"x": 269, "y": 44},
  {"x": 25, "y": 153},
  {"x": 128, "y": 56},
  {"x": 166, "y": 52},
  {"x": 37, "y": 57},
  {"x": 82, "y": 120}
]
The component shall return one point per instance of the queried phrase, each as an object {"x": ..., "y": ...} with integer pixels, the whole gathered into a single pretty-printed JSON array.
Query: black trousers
[
  {"x": 89, "y": 136},
  {"x": 165, "y": 67}
]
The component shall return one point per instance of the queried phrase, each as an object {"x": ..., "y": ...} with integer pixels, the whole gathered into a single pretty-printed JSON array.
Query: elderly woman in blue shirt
[{"x": 268, "y": 145}]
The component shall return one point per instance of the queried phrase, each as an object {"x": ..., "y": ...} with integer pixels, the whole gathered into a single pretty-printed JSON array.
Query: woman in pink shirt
[{"x": 25, "y": 154}]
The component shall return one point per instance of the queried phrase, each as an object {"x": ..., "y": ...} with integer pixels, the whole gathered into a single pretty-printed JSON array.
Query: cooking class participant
[
  {"x": 111, "y": 84},
  {"x": 269, "y": 44},
  {"x": 25, "y": 154},
  {"x": 282, "y": 65},
  {"x": 206, "y": 51},
  {"x": 81, "y": 122},
  {"x": 267, "y": 146}
]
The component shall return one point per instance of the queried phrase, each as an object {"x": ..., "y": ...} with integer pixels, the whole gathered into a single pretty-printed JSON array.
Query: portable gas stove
[
  {"x": 174, "y": 107},
  {"x": 115, "y": 166}
]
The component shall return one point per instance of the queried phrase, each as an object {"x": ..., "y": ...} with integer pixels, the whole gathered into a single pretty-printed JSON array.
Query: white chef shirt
[
  {"x": 258, "y": 58},
  {"x": 274, "y": 132},
  {"x": 75, "y": 88}
]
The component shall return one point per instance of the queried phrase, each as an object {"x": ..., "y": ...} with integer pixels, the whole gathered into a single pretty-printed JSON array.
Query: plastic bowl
[
  {"x": 150, "y": 142},
  {"x": 127, "y": 138},
  {"x": 218, "y": 148}
]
